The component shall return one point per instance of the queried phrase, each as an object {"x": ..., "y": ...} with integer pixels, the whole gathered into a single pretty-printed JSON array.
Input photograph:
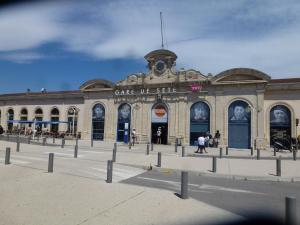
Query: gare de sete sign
[{"x": 146, "y": 91}]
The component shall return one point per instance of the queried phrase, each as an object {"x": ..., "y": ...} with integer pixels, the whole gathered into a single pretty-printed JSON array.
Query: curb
[{"x": 217, "y": 175}]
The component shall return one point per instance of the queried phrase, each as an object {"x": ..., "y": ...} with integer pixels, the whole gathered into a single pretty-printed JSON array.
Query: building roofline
[
  {"x": 40, "y": 93},
  {"x": 285, "y": 80}
]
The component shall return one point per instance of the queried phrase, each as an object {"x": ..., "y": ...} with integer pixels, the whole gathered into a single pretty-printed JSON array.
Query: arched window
[
  {"x": 98, "y": 119},
  {"x": 124, "y": 118},
  {"x": 239, "y": 125},
  {"x": 39, "y": 111},
  {"x": 72, "y": 120},
  {"x": 38, "y": 118},
  {"x": 10, "y": 118},
  {"x": 23, "y": 117},
  {"x": 55, "y": 112},
  {"x": 54, "y": 120},
  {"x": 280, "y": 124},
  {"x": 24, "y": 112},
  {"x": 199, "y": 121}
]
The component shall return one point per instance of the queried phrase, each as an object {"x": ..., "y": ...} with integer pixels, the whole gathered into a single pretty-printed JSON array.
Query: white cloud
[
  {"x": 21, "y": 57},
  {"x": 207, "y": 35}
]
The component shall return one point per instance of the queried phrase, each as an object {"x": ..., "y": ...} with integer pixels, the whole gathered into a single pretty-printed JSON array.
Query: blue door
[
  {"x": 124, "y": 116},
  {"x": 239, "y": 125},
  {"x": 199, "y": 121}
]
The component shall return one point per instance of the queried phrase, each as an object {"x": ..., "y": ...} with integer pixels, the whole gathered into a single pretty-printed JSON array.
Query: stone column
[
  {"x": 260, "y": 139},
  {"x": 64, "y": 117},
  {"x": 4, "y": 118},
  {"x": 182, "y": 119},
  {"x": 220, "y": 123}
]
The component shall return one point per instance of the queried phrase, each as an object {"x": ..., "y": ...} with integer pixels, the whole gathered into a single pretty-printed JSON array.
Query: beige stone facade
[{"x": 178, "y": 92}]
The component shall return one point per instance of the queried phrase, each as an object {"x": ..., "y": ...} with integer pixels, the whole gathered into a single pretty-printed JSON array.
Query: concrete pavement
[
  {"x": 32, "y": 196},
  {"x": 76, "y": 193},
  {"x": 239, "y": 163}
]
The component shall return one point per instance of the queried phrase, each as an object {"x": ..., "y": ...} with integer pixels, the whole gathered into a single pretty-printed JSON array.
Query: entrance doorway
[
  {"x": 199, "y": 121},
  {"x": 159, "y": 124},
  {"x": 280, "y": 125},
  {"x": 124, "y": 118},
  {"x": 98, "y": 122},
  {"x": 239, "y": 125}
]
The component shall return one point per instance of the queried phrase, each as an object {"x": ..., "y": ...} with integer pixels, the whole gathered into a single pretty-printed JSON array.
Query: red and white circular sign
[{"x": 160, "y": 111}]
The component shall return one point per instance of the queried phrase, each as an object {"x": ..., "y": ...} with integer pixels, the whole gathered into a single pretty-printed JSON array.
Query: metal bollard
[
  {"x": 176, "y": 145},
  {"x": 221, "y": 152},
  {"x": 129, "y": 145},
  {"x": 63, "y": 143},
  {"x": 274, "y": 153},
  {"x": 252, "y": 151},
  {"x": 115, "y": 145},
  {"x": 227, "y": 150},
  {"x": 152, "y": 147},
  {"x": 92, "y": 142},
  {"x": 184, "y": 185},
  {"x": 109, "y": 171},
  {"x": 18, "y": 144},
  {"x": 214, "y": 164},
  {"x": 50, "y": 162},
  {"x": 159, "y": 159},
  {"x": 148, "y": 148},
  {"x": 53, "y": 139},
  {"x": 7, "y": 156},
  {"x": 294, "y": 155},
  {"x": 114, "y": 158},
  {"x": 258, "y": 154},
  {"x": 76, "y": 151},
  {"x": 290, "y": 211},
  {"x": 278, "y": 167},
  {"x": 183, "y": 151},
  {"x": 44, "y": 141}
]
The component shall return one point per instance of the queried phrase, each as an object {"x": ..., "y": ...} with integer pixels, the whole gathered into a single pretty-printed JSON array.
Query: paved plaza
[{"x": 141, "y": 193}]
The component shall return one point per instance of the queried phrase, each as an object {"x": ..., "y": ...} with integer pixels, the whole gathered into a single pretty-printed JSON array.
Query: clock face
[{"x": 160, "y": 66}]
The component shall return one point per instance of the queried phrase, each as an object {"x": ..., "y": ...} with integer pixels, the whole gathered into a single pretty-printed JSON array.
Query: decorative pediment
[
  {"x": 132, "y": 79},
  {"x": 97, "y": 85},
  {"x": 191, "y": 76},
  {"x": 240, "y": 75}
]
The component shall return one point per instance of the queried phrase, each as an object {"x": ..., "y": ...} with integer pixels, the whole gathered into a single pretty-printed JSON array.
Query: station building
[{"x": 247, "y": 106}]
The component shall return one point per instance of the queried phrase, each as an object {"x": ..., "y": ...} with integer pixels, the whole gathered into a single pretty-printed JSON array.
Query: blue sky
[{"x": 59, "y": 45}]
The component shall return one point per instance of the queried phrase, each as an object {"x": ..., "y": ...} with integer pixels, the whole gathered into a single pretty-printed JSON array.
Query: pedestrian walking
[
  {"x": 201, "y": 144},
  {"x": 133, "y": 136},
  {"x": 217, "y": 138},
  {"x": 159, "y": 133}
]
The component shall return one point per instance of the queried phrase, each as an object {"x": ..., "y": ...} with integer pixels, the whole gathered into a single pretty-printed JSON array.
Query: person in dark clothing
[{"x": 217, "y": 138}]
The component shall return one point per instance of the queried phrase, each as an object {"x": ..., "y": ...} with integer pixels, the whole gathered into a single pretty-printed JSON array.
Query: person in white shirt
[
  {"x": 133, "y": 135},
  {"x": 201, "y": 144},
  {"x": 159, "y": 133}
]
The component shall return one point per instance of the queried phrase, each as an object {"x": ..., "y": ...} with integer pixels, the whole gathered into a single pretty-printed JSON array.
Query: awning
[
  {"x": 36, "y": 122},
  {"x": 19, "y": 121}
]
